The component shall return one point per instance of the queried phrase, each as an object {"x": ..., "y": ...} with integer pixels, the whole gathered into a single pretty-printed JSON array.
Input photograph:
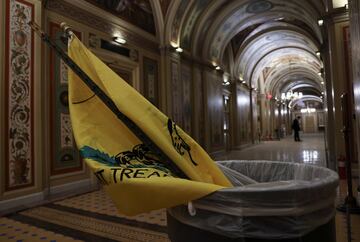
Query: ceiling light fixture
[
  {"x": 320, "y": 22},
  {"x": 178, "y": 49},
  {"x": 173, "y": 44},
  {"x": 119, "y": 40}
]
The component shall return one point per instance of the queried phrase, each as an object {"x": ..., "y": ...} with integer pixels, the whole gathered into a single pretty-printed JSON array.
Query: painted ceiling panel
[
  {"x": 268, "y": 42},
  {"x": 178, "y": 20},
  {"x": 189, "y": 24}
]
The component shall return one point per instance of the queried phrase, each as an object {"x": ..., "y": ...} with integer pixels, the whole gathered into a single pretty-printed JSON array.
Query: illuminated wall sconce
[
  {"x": 179, "y": 50},
  {"x": 119, "y": 40},
  {"x": 319, "y": 73},
  {"x": 218, "y": 68},
  {"x": 346, "y": 6},
  {"x": 322, "y": 83},
  {"x": 320, "y": 22},
  {"x": 318, "y": 53}
]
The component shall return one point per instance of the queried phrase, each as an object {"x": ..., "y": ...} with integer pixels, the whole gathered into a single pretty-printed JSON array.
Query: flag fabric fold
[{"x": 135, "y": 177}]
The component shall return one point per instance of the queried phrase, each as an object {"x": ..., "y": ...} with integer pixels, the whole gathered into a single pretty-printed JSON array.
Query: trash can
[{"x": 287, "y": 202}]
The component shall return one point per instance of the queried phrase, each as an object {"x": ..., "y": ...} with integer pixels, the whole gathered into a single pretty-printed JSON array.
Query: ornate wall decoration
[
  {"x": 176, "y": 91},
  {"x": 19, "y": 77},
  {"x": 65, "y": 157},
  {"x": 186, "y": 82},
  {"x": 151, "y": 80}
]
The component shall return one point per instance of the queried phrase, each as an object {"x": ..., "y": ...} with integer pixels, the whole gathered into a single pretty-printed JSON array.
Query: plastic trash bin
[{"x": 290, "y": 202}]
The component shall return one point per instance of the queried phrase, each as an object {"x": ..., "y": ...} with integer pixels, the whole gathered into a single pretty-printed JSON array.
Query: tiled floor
[
  {"x": 310, "y": 151},
  {"x": 99, "y": 202},
  {"x": 11, "y": 230}
]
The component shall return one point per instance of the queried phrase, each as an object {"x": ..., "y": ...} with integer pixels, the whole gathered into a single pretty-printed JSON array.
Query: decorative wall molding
[
  {"x": 19, "y": 76},
  {"x": 66, "y": 9}
]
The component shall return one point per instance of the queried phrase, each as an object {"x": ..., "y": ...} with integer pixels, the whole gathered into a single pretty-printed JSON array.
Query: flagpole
[{"x": 105, "y": 99}]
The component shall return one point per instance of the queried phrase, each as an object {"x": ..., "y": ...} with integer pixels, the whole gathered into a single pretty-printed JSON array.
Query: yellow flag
[{"x": 136, "y": 177}]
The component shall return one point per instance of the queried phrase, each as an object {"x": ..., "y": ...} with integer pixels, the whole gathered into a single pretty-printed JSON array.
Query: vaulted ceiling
[{"x": 275, "y": 41}]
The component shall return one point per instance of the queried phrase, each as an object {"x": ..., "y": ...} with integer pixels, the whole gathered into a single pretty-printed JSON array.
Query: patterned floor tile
[
  {"x": 100, "y": 202},
  {"x": 11, "y": 230}
]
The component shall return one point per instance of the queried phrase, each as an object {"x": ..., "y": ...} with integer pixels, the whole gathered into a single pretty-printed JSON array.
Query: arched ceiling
[
  {"x": 302, "y": 102},
  {"x": 271, "y": 40}
]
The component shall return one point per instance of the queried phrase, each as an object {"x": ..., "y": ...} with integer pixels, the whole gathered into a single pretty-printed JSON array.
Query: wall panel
[
  {"x": 243, "y": 127},
  {"x": 19, "y": 92},
  {"x": 215, "y": 111},
  {"x": 186, "y": 94}
]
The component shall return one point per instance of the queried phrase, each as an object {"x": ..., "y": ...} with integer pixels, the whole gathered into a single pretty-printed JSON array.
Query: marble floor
[{"x": 311, "y": 150}]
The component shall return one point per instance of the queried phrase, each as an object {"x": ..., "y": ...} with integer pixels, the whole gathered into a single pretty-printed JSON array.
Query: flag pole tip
[{"x": 66, "y": 28}]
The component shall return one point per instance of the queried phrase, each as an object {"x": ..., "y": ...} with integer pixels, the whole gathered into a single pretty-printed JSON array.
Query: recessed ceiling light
[{"x": 119, "y": 40}]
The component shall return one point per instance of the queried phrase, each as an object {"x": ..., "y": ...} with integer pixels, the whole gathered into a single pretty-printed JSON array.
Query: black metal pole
[{"x": 107, "y": 101}]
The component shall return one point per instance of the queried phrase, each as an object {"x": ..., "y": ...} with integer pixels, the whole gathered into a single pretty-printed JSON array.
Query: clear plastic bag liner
[{"x": 272, "y": 200}]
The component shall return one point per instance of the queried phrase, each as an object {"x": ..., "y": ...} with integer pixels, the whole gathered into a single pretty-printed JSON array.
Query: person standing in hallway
[{"x": 296, "y": 127}]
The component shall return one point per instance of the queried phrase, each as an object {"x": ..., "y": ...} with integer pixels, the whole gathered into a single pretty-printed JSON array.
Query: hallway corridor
[{"x": 311, "y": 150}]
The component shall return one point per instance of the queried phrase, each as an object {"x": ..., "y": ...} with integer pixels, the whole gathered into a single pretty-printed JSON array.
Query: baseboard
[
  {"x": 72, "y": 187},
  {"x": 19, "y": 203},
  {"x": 46, "y": 196}
]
